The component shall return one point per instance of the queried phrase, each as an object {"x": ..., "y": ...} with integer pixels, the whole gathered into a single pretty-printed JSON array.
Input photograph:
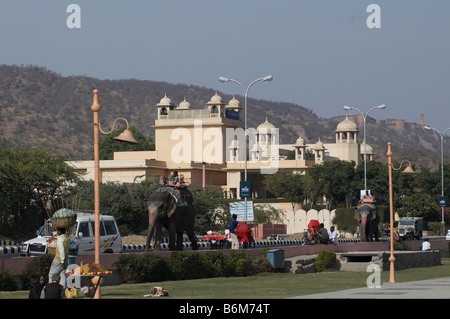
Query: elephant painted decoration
[
  {"x": 164, "y": 211},
  {"x": 368, "y": 220}
]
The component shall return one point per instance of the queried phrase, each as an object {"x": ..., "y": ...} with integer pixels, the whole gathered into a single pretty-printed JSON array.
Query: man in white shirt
[
  {"x": 332, "y": 236},
  {"x": 426, "y": 245}
]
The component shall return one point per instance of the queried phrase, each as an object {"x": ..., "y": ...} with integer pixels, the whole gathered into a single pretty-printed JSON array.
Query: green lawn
[{"x": 268, "y": 285}]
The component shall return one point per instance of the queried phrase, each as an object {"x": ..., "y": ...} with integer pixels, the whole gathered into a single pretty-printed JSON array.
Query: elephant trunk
[{"x": 152, "y": 211}]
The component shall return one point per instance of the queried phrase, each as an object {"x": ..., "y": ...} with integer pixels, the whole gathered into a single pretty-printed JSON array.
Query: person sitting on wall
[{"x": 323, "y": 235}]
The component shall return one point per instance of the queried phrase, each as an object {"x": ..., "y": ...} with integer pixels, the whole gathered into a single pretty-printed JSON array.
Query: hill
[{"x": 40, "y": 108}]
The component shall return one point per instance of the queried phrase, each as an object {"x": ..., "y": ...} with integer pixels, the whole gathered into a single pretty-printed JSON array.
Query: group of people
[
  {"x": 327, "y": 236},
  {"x": 55, "y": 289}
]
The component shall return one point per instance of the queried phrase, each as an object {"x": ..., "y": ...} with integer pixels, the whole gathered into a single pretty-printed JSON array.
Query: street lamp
[
  {"x": 223, "y": 79},
  {"x": 408, "y": 170},
  {"x": 126, "y": 136},
  {"x": 348, "y": 108},
  {"x": 442, "y": 162}
]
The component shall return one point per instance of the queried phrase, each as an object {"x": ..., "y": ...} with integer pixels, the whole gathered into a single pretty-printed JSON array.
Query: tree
[
  {"x": 286, "y": 184},
  {"x": 336, "y": 179},
  {"x": 28, "y": 177},
  {"x": 211, "y": 209}
]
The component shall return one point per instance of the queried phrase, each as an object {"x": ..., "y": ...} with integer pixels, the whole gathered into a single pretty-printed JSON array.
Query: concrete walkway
[{"x": 438, "y": 288}]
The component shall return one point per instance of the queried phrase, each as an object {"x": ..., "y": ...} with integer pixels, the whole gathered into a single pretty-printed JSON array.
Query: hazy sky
[{"x": 321, "y": 53}]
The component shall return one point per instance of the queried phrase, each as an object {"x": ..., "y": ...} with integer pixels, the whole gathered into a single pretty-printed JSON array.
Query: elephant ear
[{"x": 357, "y": 215}]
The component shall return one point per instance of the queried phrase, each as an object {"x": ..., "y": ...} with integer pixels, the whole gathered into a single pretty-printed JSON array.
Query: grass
[
  {"x": 272, "y": 285},
  {"x": 262, "y": 286}
]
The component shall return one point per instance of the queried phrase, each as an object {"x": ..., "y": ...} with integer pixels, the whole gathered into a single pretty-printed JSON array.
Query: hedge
[{"x": 183, "y": 265}]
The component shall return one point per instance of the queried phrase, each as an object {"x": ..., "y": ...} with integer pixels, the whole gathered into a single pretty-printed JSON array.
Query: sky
[{"x": 322, "y": 54}]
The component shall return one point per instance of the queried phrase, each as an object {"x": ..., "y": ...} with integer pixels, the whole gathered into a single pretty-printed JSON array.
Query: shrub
[
  {"x": 216, "y": 264},
  {"x": 7, "y": 282},
  {"x": 188, "y": 265},
  {"x": 325, "y": 260},
  {"x": 400, "y": 245},
  {"x": 131, "y": 268},
  {"x": 157, "y": 268}
]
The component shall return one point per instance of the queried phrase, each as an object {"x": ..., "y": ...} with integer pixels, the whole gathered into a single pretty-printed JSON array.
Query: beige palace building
[{"x": 207, "y": 146}]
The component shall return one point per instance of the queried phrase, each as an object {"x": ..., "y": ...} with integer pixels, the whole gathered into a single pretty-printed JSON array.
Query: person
[
  {"x": 426, "y": 245},
  {"x": 174, "y": 179},
  {"x": 234, "y": 238},
  {"x": 35, "y": 291},
  {"x": 332, "y": 235},
  {"x": 59, "y": 263},
  {"x": 53, "y": 290},
  {"x": 322, "y": 234}
]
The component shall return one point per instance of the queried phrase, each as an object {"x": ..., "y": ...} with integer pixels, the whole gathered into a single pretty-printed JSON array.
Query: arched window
[
  {"x": 163, "y": 111},
  {"x": 214, "y": 109}
]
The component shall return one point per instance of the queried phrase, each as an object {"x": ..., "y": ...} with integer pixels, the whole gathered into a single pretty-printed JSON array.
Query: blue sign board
[
  {"x": 231, "y": 114},
  {"x": 442, "y": 201},
  {"x": 245, "y": 188}
]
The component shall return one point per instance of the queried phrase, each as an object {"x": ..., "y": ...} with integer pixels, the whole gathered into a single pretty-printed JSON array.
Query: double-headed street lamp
[
  {"x": 223, "y": 79},
  {"x": 442, "y": 162},
  {"x": 126, "y": 136},
  {"x": 348, "y": 108},
  {"x": 408, "y": 170}
]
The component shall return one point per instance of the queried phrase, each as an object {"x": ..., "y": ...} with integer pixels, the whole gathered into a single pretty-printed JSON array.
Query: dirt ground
[{"x": 134, "y": 239}]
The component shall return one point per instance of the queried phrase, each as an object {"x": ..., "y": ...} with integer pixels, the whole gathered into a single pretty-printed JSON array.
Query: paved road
[{"x": 438, "y": 288}]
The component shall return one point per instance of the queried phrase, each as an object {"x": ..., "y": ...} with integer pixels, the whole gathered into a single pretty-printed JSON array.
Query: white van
[{"x": 82, "y": 238}]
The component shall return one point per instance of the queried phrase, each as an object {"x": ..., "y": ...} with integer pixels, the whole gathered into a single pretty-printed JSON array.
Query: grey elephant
[
  {"x": 164, "y": 211},
  {"x": 368, "y": 220}
]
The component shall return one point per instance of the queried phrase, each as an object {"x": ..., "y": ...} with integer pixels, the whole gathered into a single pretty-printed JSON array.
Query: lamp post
[
  {"x": 126, "y": 136},
  {"x": 267, "y": 78},
  {"x": 442, "y": 162},
  {"x": 348, "y": 108},
  {"x": 408, "y": 170}
]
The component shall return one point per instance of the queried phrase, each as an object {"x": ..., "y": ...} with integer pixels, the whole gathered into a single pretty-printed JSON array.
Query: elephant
[
  {"x": 368, "y": 220},
  {"x": 164, "y": 211}
]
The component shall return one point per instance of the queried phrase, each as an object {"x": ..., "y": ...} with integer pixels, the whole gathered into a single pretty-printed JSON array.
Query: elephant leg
[
  {"x": 179, "y": 241},
  {"x": 193, "y": 239},
  {"x": 172, "y": 239},
  {"x": 158, "y": 235}
]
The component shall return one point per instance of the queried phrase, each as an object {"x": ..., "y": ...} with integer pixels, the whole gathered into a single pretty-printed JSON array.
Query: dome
[
  {"x": 185, "y": 105},
  {"x": 347, "y": 126},
  {"x": 300, "y": 141},
  {"x": 216, "y": 99},
  {"x": 165, "y": 101},
  {"x": 233, "y": 104},
  {"x": 319, "y": 145},
  {"x": 266, "y": 126},
  {"x": 369, "y": 149}
]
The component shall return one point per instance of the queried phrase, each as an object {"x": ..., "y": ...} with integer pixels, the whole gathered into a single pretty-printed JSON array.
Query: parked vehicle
[
  {"x": 410, "y": 227},
  {"x": 81, "y": 237},
  {"x": 447, "y": 237}
]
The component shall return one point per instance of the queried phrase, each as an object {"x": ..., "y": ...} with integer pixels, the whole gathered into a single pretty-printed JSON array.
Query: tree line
[
  {"x": 29, "y": 177},
  {"x": 340, "y": 182}
]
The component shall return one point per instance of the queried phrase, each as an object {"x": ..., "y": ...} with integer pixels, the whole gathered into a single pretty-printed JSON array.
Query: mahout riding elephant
[
  {"x": 164, "y": 212},
  {"x": 368, "y": 220}
]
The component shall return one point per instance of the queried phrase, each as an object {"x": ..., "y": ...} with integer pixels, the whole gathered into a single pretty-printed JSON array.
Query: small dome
[
  {"x": 319, "y": 145},
  {"x": 300, "y": 141},
  {"x": 216, "y": 99},
  {"x": 369, "y": 149},
  {"x": 233, "y": 104},
  {"x": 266, "y": 126},
  {"x": 185, "y": 105},
  {"x": 347, "y": 126},
  {"x": 165, "y": 101}
]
